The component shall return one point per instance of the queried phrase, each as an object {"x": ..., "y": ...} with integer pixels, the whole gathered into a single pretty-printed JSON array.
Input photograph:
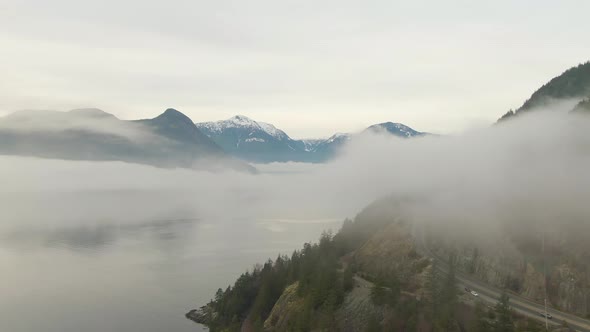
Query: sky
[{"x": 311, "y": 68}]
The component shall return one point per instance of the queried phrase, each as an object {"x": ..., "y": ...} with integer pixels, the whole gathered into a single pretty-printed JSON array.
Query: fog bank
[{"x": 532, "y": 170}]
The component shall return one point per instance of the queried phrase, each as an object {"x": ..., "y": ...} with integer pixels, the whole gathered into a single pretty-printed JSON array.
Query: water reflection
[
  {"x": 96, "y": 238},
  {"x": 132, "y": 276}
]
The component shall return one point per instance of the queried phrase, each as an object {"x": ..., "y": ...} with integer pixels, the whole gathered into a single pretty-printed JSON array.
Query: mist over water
[
  {"x": 128, "y": 274},
  {"x": 109, "y": 246}
]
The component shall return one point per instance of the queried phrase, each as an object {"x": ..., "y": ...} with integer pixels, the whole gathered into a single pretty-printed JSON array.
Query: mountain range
[
  {"x": 168, "y": 140},
  {"x": 173, "y": 140},
  {"x": 262, "y": 142}
]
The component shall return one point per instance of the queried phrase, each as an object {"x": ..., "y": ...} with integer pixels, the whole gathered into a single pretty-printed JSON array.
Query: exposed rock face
[
  {"x": 357, "y": 308},
  {"x": 501, "y": 268},
  {"x": 568, "y": 288},
  {"x": 204, "y": 315},
  {"x": 388, "y": 252},
  {"x": 284, "y": 310}
]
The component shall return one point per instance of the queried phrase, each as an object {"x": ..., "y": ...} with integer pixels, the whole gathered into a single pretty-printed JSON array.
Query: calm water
[{"x": 117, "y": 275}]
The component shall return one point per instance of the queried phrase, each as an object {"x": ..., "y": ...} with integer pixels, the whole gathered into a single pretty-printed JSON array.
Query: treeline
[
  {"x": 443, "y": 301},
  {"x": 320, "y": 283},
  {"x": 321, "y": 280}
]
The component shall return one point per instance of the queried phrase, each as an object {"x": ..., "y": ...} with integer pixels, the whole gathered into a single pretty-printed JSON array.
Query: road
[{"x": 491, "y": 294}]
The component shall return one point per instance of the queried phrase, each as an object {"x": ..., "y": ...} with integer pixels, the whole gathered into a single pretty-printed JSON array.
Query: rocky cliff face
[
  {"x": 568, "y": 287},
  {"x": 284, "y": 310},
  {"x": 357, "y": 308},
  {"x": 389, "y": 252}
]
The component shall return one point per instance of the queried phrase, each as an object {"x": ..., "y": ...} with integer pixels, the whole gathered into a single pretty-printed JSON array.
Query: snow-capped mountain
[
  {"x": 254, "y": 141},
  {"x": 262, "y": 142},
  {"x": 242, "y": 122}
]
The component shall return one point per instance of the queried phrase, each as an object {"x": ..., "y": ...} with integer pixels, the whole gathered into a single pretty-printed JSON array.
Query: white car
[
  {"x": 474, "y": 293},
  {"x": 548, "y": 315}
]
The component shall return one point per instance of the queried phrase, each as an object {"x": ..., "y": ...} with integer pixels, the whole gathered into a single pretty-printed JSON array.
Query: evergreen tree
[
  {"x": 482, "y": 323},
  {"x": 448, "y": 299},
  {"x": 347, "y": 279},
  {"x": 503, "y": 315}
]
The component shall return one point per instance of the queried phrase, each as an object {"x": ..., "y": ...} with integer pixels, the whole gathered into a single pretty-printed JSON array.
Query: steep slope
[
  {"x": 179, "y": 127},
  {"x": 379, "y": 273},
  {"x": 582, "y": 107},
  {"x": 368, "y": 277},
  {"x": 169, "y": 140},
  {"x": 328, "y": 149},
  {"x": 574, "y": 83}
]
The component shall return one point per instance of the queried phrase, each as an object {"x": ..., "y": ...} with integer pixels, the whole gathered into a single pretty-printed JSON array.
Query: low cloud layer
[
  {"x": 89, "y": 120},
  {"x": 531, "y": 171}
]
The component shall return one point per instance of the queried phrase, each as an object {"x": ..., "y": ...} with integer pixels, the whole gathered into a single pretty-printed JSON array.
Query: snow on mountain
[
  {"x": 312, "y": 143},
  {"x": 262, "y": 142},
  {"x": 273, "y": 131},
  {"x": 338, "y": 137},
  {"x": 252, "y": 140},
  {"x": 243, "y": 122},
  {"x": 255, "y": 139}
]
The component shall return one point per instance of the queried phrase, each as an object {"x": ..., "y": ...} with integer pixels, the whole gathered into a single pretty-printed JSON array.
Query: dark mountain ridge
[
  {"x": 168, "y": 140},
  {"x": 574, "y": 83}
]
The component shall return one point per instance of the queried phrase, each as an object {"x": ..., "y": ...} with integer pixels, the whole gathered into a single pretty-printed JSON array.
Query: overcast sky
[{"x": 310, "y": 67}]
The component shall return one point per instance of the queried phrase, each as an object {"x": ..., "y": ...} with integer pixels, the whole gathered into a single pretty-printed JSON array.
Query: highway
[{"x": 491, "y": 294}]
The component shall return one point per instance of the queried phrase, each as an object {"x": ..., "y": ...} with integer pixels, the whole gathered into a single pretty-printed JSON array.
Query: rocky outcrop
[
  {"x": 285, "y": 310},
  {"x": 568, "y": 288},
  {"x": 357, "y": 308},
  {"x": 204, "y": 315}
]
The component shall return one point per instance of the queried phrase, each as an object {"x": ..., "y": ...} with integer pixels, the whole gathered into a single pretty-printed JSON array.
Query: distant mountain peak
[
  {"x": 172, "y": 114},
  {"x": 252, "y": 140},
  {"x": 242, "y": 121},
  {"x": 397, "y": 129},
  {"x": 239, "y": 117}
]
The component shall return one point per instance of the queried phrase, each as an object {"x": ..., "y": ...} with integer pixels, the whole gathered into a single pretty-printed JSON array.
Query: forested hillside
[
  {"x": 355, "y": 280},
  {"x": 574, "y": 83}
]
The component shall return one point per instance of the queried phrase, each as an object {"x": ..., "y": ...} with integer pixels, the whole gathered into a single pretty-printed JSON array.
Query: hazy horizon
[
  {"x": 472, "y": 215},
  {"x": 310, "y": 68}
]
